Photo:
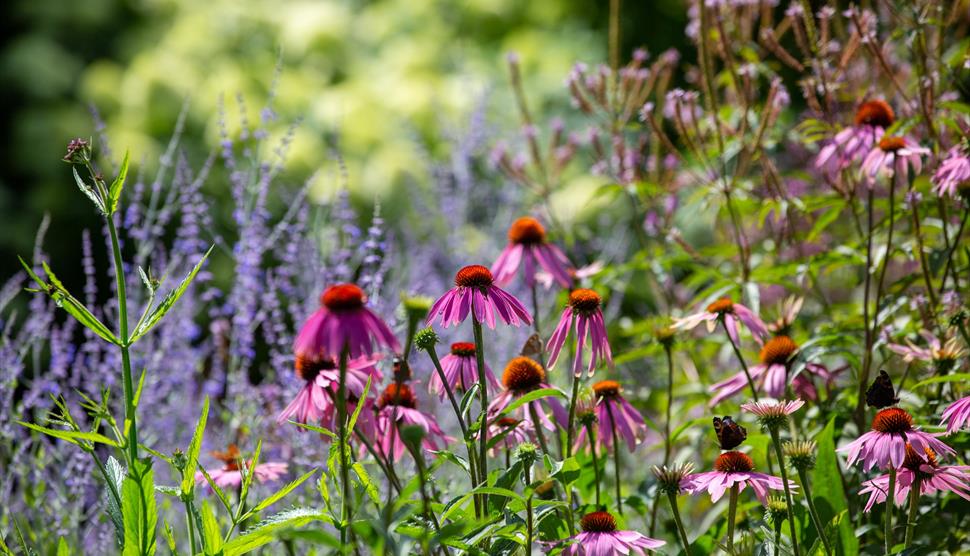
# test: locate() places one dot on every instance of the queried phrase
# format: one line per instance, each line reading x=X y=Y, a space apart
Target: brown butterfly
x=729 y=433
x=533 y=347
x=881 y=393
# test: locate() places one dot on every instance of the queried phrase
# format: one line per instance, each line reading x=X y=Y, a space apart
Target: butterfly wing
x=881 y=392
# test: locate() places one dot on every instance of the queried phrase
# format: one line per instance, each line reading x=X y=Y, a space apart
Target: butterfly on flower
x=729 y=433
x=881 y=393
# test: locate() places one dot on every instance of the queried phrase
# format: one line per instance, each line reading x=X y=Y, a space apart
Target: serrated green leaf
x=314 y=428
x=74 y=437
x=250 y=473
x=116 y=474
x=156 y=315
x=266 y=531
x=114 y=191
x=88 y=191
x=170 y=539
x=192 y=455
x=279 y=494
x=369 y=487
x=139 y=509
x=211 y=534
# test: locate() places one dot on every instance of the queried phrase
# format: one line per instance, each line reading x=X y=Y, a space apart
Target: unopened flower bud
x=801 y=454
x=426 y=339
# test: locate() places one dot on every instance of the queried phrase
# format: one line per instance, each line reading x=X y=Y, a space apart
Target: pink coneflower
x=343 y=321
x=893 y=156
x=956 y=415
x=600 y=538
x=924 y=470
x=733 y=469
x=578 y=275
x=610 y=406
x=523 y=375
x=461 y=370
x=397 y=406
x=942 y=354
x=584 y=310
x=515 y=431
x=528 y=246
x=885 y=445
x=231 y=475
x=953 y=173
x=770 y=375
x=732 y=313
x=314 y=402
x=768 y=410
x=475 y=291
x=852 y=143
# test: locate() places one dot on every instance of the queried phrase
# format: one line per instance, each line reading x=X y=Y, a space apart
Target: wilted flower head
x=528 y=246
x=953 y=174
x=772 y=414
x=670 y=479
x=583 y=309
x=943 y=355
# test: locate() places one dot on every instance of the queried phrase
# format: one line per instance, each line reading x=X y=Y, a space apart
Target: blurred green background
x=383 y=80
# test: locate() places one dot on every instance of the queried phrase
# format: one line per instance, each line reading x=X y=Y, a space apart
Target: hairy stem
x=776 y=441
x=816 y=520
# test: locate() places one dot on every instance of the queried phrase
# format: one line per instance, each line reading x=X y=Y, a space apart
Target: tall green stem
x=913 y=509
x=529 y=527
x=788 y=498
x=483 y=396
x=744 y=366
x=616 y=456
x=682 y=533
x=591 y=431
x=667 y=444
x=816 y=520
x=732 y=512
x=345 y=509
x=890 y=501
x=189 y=519
x=129 y=389
x=571 y=421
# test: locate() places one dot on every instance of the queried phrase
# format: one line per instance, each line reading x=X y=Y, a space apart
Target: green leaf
x=88 y=191
x=531 y=397
x=314 y=428
x=211 y=534
x=827 y=490
x=279 y=494
x=467 y=398
x=369 y=487
x=156 y=315
x=116 y=474
x=114 y=192
x=250 y=473
x=217 y=489
x=188 y=475
x=62 y=548
x=139 y=510
x=63 y=299
x=266 y=531
x=74 y=437
x=565 y=471
x=170 y=538
x=353 y=418
x=958 y=377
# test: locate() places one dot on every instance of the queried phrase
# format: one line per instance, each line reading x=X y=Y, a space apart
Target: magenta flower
x=231 y=475
x=584 y=310
x=527 y=246
x=930 y=476
x=893 y=156
x=515 y=431
x=956 y=415
x=523 y=375
x=343 y=321
x=461 y=370
x=476 y=292
x=770 y=375
x=600 y=538
x=610 y=407
x=732 y=313
x=314 y=402
x=953 y=172
x=397 y=406
x=885 y=445
x=852 y=143
x=730 y=469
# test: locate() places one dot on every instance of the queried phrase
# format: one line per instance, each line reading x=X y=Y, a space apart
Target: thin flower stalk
x=913 y=510
x=776 y=442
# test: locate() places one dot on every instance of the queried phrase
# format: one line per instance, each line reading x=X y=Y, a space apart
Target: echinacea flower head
x=584 y=311
x=776 y=510
x=599 y=537
x=921 y=469
x=731 y=313
x=343 y=322
x=521 y=376
x=397 y=406
x=885 y=445
x=770 y=375
x=943 y=355
x=315 y=400
x=528 y=247
x=893 y=156
x=953 y=175
x=956 y=415
x=461 y=371
x=790 y=308
x=850 y=145
x=733 y=469
x=614 y=411
x=475 y=292
x=670 y=479
x=772 y=414
x=512 y=431
x=800 y=454
x=232 y=472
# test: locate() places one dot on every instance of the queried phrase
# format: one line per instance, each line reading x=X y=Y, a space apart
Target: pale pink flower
x=885 y=445
x=231 y=474
x=893 y=156
x=953 y=172
x=733 y=469
x=852 y=143
x=528 y=247
x=934 y=352
x=931 y=477
x=583 y=309
x=732 y=313
x=396 y=407
x=771 y=409
x=475 y=292
x=461 y=371
x=599 y=537
x=956 y=415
